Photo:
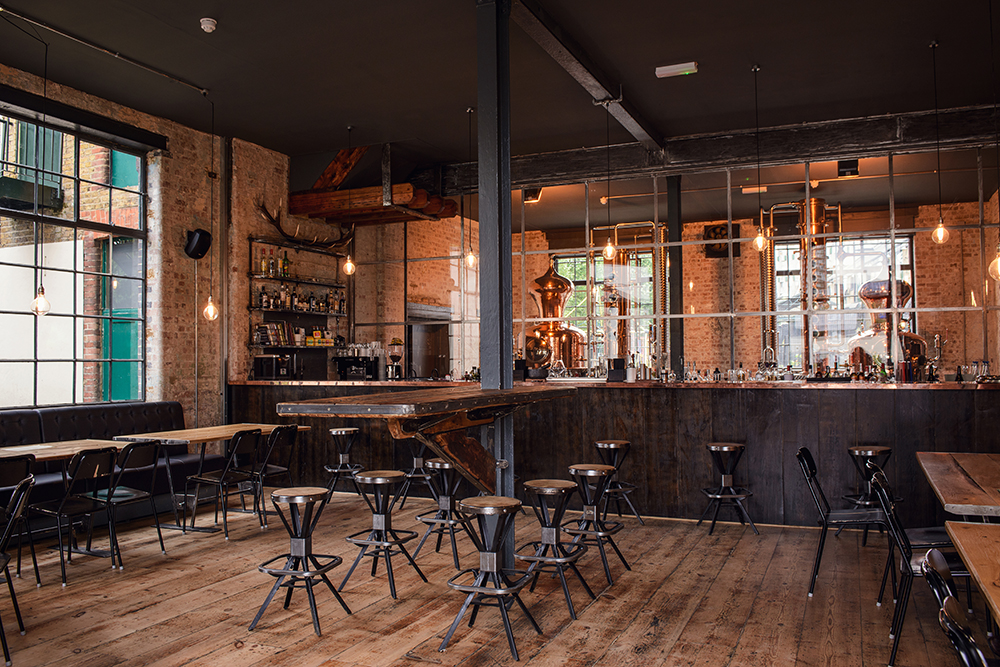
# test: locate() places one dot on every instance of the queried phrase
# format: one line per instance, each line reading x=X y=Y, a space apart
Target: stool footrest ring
x=610 y=528
x=523 y=578
x=727 y=493
x=282 y=572
x=573 y=553
x=402 y=536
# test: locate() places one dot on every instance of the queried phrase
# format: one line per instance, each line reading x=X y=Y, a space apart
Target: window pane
x=60 y=247
x=125 y=170
x=59 y=291
x=125 y=209
x=125 y=381
x=441 y=238
x=18 y=287
x=95 y=202
x=126 y=257
x=17 y=241
x=19 y=336
x=17 y=384
x=55 y=337
x=125 y=338
x=95 y=162
x=55 y=382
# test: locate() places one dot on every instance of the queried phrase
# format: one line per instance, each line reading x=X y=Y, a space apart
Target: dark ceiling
x=291 y=76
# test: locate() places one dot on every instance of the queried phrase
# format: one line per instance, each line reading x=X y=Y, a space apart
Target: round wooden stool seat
x=612 y=444
x=725 y=456
x=379 y=476
x=550 y=487
x=488 y=505
x=438 y=464
x=613 y=453
x=299 y=495
x=861 y=454
x=591 y=469
x=724 y=446
x=347 y=430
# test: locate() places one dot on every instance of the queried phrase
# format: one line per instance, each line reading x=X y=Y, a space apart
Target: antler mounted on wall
x=326 y=243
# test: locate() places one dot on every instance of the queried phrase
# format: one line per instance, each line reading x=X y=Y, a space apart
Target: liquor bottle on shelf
x=271 y=268
x=263 y=261
x=312 y=303
x=295 y=301
x=341 y=304
x=265 y=300
x=285 y=266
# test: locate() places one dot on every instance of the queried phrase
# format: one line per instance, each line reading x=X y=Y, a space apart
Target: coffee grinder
x=394 y=371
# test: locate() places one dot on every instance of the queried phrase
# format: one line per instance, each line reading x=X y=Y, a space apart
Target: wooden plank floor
x=732 y=598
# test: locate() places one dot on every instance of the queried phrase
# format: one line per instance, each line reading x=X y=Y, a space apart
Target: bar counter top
x=638 y=384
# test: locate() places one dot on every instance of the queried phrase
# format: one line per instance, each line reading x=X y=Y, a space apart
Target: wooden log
x=339 y=168
x=323 y=203
x=434 y=205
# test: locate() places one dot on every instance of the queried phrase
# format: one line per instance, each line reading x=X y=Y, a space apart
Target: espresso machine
x=394 y=370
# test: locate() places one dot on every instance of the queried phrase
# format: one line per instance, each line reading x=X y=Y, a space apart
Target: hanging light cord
x=937 y=131
x=469 y=111
x=212 y=176
x=607 y=132
x=996 y=131
x=756 y=121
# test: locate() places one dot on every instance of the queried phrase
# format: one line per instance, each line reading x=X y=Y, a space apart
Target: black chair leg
x=819 y=556
x=13 y=599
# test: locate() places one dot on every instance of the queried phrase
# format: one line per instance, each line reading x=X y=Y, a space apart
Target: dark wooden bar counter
x=669 y=424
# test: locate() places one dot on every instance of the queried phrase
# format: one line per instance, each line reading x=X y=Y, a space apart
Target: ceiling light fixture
x=349 y=266
x=609 y=251
x=760 y=243
x=211 y=311
x=679 y=69
x=533 y=195
x=940 y=234
x=470 y=258
x=209 y=24
x=41 y=305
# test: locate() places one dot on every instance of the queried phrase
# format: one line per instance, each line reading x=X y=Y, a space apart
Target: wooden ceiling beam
x=339 y=168
x=323 y=203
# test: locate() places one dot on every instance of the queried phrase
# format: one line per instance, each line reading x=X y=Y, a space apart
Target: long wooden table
x=55 y=451
x=437 y=418
x=966 y=483
x=979 y=546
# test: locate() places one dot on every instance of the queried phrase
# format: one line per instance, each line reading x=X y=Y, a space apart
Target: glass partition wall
x=819 y=268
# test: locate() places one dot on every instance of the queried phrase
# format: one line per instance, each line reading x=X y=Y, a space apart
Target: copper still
x=553 y=341
x=911 y=353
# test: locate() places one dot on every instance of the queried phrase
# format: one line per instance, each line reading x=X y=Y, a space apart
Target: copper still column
x=553 y=341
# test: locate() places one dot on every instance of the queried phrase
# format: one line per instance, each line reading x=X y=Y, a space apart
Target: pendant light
x=609 y=251
x=211 y=311
x=40 y=305
x=470 y=257
x=760 y=243
x=940 y=234
x=349 y=266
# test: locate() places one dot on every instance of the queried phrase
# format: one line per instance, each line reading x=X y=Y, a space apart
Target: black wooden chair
x=955 y=624
x=242 y=447
x=273 y=458
x=90 y=474
x=910 y=564
x=839 y=518
x=13 y=513
x=135 y=482
x=13 y=469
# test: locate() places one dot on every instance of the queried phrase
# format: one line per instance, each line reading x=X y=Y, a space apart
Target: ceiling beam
x=806 y=142
x=571 y=57
x=338 y=169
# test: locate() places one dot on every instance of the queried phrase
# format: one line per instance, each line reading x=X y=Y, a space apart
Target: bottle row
x=271 y=266
x=334 y=302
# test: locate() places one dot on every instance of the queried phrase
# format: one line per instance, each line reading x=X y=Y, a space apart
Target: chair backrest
x=280 y=443
x=935 y=569
x=15 y=468
x=808 y=466
x=242 y=447
x=15 y=509
x=884 y=494
x=956 y=625
x=138 y=456
x=90 y=471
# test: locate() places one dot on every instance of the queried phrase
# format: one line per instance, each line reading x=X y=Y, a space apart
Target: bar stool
x=343 y=440
x=444 y=484
x=860 y=456
x=301 y=566
x=418 y=474
x=613 y=453
x=726 y=455
x=549 y=499
x=590 y=527
x=491 y=584
x=384 y=539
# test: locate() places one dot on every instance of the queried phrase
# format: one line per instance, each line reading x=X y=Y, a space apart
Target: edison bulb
x=211 y=312
x=470 y=259
x=609 y=251
x=349 y=266
x=940 y=234
x=760 y=242
x=995 y=267
x=41 y=305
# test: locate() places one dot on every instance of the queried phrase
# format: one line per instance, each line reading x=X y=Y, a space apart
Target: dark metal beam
x=828 y=140
x=571 y=57
x=675 y=275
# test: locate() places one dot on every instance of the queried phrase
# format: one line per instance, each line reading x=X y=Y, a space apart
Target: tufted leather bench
x=101 y=421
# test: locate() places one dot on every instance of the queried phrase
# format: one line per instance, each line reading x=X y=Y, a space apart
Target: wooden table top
x=965 y=483
x=54 y=451
x=422 y=402
x=979 y=546
x=204 y=434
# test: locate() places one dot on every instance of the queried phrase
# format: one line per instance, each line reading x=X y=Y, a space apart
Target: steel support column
x=675 y=275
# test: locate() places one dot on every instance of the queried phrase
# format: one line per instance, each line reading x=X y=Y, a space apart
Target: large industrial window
x=72 y=219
